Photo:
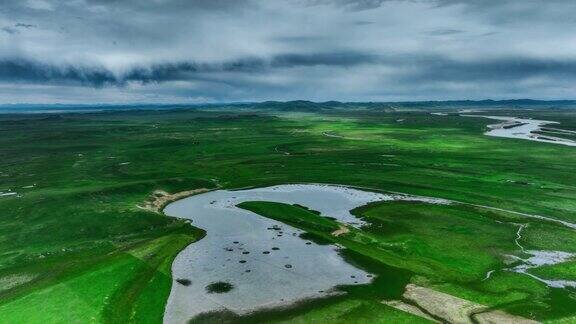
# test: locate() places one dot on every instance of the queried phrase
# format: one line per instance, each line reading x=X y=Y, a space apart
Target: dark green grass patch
x=219 y=287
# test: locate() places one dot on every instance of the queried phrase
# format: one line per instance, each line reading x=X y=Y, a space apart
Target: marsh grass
x=219 y=287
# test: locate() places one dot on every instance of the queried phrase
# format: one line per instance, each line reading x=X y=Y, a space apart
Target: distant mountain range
x=299 y=106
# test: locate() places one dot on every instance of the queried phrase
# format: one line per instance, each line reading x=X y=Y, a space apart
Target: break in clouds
x=247 y=50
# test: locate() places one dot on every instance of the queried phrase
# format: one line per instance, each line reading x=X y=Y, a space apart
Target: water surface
x=265 y=261
x=522 y=128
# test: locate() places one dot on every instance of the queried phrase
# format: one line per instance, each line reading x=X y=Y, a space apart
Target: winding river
x=265 y=262
x=522 y=128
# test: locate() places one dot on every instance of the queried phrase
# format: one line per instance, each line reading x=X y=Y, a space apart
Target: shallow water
x=523 y=130
x=237 y=239
x=541 y=258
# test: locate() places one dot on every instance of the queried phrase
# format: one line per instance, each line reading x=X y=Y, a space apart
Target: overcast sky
x=128 y=51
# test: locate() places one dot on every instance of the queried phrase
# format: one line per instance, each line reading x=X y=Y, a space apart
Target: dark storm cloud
x=30 y=71
x=9 y=30
x=344 y=59
x=286 y=49
x=22 y=25
x=13 y=30
x=27 y=71
x=421 y=69
x=496 y=70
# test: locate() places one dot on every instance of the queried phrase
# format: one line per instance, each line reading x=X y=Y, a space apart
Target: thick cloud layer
x=219 y=50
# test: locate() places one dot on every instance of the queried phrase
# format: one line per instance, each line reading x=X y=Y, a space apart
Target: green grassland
x=562 y=271
x=76 y=246
x=447 y=247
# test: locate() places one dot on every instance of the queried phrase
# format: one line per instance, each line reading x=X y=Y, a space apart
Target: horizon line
x=281 y=101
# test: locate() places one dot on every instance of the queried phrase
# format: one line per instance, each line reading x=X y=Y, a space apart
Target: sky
x=197 y=51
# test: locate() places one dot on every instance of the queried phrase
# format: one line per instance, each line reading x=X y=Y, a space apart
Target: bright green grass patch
x=562 y=271
x=132 y=286
x=291 y=214
x=544 y=236
x=449 y=242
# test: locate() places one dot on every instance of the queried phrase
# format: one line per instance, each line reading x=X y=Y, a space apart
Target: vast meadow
x=79 y=243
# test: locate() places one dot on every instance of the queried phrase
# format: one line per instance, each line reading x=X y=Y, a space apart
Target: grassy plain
x=450 y=248
x=74 y=243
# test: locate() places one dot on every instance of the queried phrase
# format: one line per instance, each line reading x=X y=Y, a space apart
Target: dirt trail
x=451 y=309
x=400 y=305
